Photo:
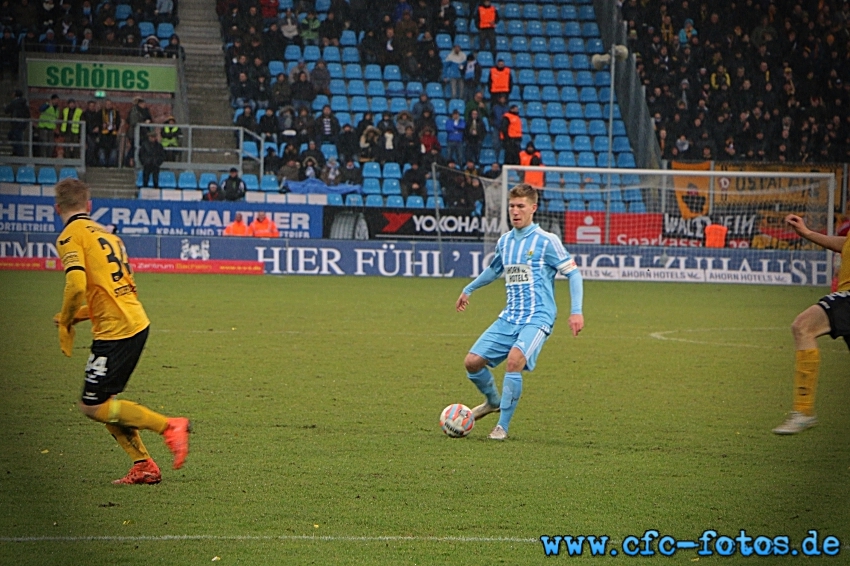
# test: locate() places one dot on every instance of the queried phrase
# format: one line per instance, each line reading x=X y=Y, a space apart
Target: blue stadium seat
x=637 y=207
x=339 y=104
x=505 y=56
x=398 y=104
x=588 y=94
x=269 y=184
x=353 y=71
x=322 y=5
x=569 y=94
x=374 y=200
x=512 y=12
x=582 y=143
x=534 y=28
x=167 y=180
x=391 y=187
x=415 y=201
x=430 y=203
x=414 y=89
x=595 y=206
x=554 y=110
x=371 y=170
x=371 y=186
x=575 y=46
x=439 y=105
x=555 y=206
x=456 y=104
x=123 y=11
x=319 y=102
x=600 y=144
x=626 y=160
x=531 y=93
x=558 y=126
x=375 y=88
x=485 y=59
x=549 y=12
x=565 y=78
x=487 y=157
x=584 y=78
x=593 y=110
x=557 y=45
x=538 y=126
x=538 y=45
x=7 y=174
x=146 y=29
x=572 y=29
x=605 y=93
x=26 y=175
x=334 y=199
x=617 y=115
x=292 y=53
x=581 y=62
x=621 y=144
x=356 y=87
x=543 y=142
x=573 y=111
x=275 y=67
x=65 y=173
x=379 y=104
x=632 y=195
x=542 y=61
x=373 y=73
x=395 y=88
x=561 y=61
x=585 y=14
x=164 y=30
x=554 y=28
x=329 y=151
x=526 y=77
x=348 y=38
x=530 y=12
x=502 y=45
x=331 y=54
x=395 y=201
x=602 y=78
x=578 y=127
x=206 y=178
x=562 y=143
x=619 y=128
x=546 y=77
x=550 y=93
x=590 y=30
x=47 y=176
x=353 y=199
x=335 y=71
x=187 y=180
x=592 y=179
x=350 y=55
x=392 y=73
x=534 y=110
x=523 y=61
x=515 y=28
x=519 y=44
x=463 y=41
x=597 y=128
x=337 y=87
x=344 y=118
x=392 y=171
x=434 y=90
x=602 y=159
x=359 y=104
x=587 y=159
x=569 y=12
x=461 y=25
x=595 y=46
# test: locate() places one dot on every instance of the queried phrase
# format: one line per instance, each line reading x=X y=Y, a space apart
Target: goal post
x=649 y=216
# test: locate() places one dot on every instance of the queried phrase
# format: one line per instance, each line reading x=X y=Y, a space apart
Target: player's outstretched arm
x=834 y=243
x=576 y=300
x=462 y=302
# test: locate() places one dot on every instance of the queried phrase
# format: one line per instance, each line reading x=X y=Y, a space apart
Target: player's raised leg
x=130 y=415
x=808 y=325
x=482 y=377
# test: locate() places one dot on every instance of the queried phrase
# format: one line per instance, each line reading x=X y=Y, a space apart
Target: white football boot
x=483 y=410
x=796 y=422
x=498 y=433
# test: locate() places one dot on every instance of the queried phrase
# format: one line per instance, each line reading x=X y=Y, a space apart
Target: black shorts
x=110 y=365
x=837 y=308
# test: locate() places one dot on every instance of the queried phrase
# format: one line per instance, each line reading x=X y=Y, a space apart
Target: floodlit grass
x=315 y=403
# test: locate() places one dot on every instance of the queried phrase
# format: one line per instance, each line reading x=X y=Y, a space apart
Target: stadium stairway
x=110 y=182
x=209 y=104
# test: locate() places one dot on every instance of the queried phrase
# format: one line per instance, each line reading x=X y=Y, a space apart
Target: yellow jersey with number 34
x=114 y=306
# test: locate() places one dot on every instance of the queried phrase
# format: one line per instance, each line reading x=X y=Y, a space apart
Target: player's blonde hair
x=71 y=194
x=524 y=190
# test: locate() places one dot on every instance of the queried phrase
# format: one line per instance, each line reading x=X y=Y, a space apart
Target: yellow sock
x=130 y=440
x=806 y=380
x=131 y=415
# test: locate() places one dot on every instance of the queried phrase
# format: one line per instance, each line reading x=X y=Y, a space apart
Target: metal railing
x=23 y=142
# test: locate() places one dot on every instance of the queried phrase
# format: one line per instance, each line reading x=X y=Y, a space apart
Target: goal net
x=687 y=224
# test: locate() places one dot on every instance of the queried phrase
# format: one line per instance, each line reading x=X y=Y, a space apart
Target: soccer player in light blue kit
x=530 y=258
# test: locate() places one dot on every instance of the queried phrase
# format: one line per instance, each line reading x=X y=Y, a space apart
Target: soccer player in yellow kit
x=99 y=286
x=831 y=315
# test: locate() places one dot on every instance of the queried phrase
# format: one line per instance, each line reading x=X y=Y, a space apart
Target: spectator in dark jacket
x=151 y=156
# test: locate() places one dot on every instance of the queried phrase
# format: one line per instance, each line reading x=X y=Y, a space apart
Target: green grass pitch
x=315 y=403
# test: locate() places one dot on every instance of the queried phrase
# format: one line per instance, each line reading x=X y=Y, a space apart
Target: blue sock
x=511 y=391
x=485 y=383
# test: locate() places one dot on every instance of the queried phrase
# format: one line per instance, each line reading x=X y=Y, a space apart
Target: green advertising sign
x=101 y=76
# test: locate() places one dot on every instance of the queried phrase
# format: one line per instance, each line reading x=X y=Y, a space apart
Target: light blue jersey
x=529 y=259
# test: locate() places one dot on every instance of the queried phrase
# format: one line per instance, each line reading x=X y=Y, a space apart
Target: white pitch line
x=664 y=335
x=283 y=538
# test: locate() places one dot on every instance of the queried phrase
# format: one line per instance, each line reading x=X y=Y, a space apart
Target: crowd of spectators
x=280 y=108
x=85 y=27
x=749 y=81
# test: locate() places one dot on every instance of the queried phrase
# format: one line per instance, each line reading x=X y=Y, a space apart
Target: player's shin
x=129 y=440
x=511 y=392
x=806 y=371
x=483 y=380
x=131 y=415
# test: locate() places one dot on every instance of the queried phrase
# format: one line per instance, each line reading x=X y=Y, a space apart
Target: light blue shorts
x=498 y=340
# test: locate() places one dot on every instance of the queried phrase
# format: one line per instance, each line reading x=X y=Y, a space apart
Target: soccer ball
x=456 y=420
